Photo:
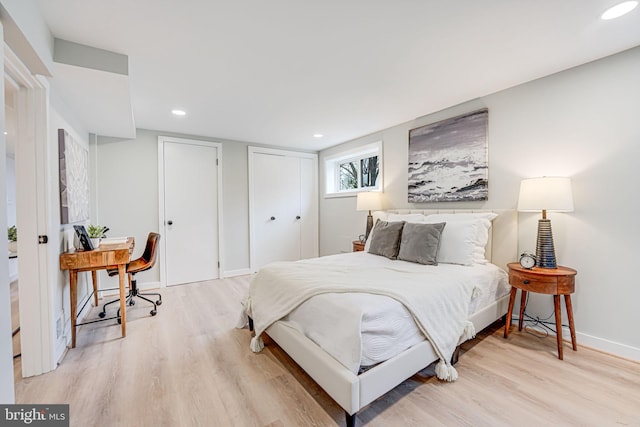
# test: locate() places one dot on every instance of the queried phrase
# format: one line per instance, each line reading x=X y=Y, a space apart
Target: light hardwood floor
x=189 y=366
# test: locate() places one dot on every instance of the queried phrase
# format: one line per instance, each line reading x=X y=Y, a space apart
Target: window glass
x=354 y=170
x=348 y=175
x=369 y=170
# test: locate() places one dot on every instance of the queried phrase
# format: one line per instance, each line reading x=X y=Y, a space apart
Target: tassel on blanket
x=446 y=372
x=468 y=333
x=257 y=344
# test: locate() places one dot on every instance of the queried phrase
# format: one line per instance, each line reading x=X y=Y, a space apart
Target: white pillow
x=392 y=217
x=405 y=217
x=464 y=237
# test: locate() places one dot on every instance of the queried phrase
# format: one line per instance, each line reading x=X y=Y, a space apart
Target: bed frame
x=353 y=392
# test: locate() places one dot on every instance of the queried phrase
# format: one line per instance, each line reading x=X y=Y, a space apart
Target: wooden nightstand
x=551 y=281
x=358 y=246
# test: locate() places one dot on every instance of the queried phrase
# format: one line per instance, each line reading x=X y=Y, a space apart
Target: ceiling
x=277 y=72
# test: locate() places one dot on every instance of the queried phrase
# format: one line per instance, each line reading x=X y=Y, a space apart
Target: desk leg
x=572 y=328
x=94 y=279
x=73 y=302
x=123 y=310
x=556 y=303
x=512 y=300
x=523 y=304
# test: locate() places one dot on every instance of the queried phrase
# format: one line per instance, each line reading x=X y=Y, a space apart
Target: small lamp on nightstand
x=545 y=194
x=369 y=201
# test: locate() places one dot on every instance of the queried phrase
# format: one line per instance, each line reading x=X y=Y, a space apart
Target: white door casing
x=189 y=210
x=37 y=264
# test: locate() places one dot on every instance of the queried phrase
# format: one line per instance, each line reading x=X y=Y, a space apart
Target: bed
x=355 y=376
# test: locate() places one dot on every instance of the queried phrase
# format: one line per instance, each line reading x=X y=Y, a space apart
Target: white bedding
x=438 y=299
x=386 y=326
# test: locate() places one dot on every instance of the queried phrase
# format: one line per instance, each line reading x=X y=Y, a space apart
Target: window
x=353 y=171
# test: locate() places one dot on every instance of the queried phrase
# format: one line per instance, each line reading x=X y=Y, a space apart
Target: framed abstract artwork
x=73 y=160
x=448 y=160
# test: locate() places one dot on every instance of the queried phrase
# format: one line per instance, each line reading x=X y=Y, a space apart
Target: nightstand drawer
x=358 y=246
x=540 y=284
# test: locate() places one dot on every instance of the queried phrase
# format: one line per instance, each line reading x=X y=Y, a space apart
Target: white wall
x=60 y=117
x=127 y=194
x=582 y=123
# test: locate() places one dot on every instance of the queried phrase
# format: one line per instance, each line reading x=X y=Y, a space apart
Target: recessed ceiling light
x=178 y=112
x=619 y=10
x=318 y=135
x=6 y=133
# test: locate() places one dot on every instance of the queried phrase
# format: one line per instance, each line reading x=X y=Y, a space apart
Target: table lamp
x=545 y=194
x=369 y=201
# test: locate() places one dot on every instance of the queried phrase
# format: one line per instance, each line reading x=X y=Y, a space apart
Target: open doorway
x=27 y=97
x=10 y=97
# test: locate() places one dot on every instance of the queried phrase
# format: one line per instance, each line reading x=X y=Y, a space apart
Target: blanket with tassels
x=438 y=302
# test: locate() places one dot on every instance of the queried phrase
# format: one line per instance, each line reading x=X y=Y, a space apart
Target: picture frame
x=448 y=160
x=73 y=162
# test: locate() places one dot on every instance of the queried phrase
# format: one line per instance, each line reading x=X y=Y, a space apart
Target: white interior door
x=190 y=212
x=276 y=208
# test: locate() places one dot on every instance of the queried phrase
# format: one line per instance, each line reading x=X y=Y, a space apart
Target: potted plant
x=96 y=232
x=12 y=234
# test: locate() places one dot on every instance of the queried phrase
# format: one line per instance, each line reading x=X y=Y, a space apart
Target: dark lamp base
x=545 y=251
x=369 y=225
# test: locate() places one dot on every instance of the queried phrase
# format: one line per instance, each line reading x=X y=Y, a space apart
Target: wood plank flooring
x=189 y=366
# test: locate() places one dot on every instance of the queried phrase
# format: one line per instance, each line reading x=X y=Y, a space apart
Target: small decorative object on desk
x=96 y=232
x=12 y=235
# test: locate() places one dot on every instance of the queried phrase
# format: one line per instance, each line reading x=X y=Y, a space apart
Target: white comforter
x=386 y=327
x=437 y=300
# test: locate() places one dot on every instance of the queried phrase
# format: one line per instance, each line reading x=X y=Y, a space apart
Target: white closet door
x=308 y=209
x=276 y=206
x=191 y=212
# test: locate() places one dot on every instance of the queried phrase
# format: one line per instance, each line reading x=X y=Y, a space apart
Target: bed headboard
x=502 y=247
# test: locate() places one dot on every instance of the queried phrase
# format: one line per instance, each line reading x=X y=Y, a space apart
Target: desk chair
x=145 y=262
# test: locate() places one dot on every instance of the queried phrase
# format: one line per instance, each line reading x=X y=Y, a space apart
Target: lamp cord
x=531 y=322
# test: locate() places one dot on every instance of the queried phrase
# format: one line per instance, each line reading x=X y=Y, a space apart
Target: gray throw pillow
x=385 y=238
x=420 y=243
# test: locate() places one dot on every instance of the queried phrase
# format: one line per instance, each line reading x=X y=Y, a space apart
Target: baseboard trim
x=234 y=273
x=595 y=343
x=606 y=346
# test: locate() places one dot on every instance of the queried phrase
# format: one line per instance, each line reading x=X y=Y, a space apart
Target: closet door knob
x=273 y=218
x=169 y=222
x=297 y=216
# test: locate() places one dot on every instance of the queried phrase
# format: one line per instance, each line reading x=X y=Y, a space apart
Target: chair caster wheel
x=153 y=312
x=119 y=321
x=102 y=314
x=132 y=302
x=159 y=302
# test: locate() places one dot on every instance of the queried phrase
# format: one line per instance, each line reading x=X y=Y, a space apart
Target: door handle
x=297 y=216
x=273 y=218
x=169 y=222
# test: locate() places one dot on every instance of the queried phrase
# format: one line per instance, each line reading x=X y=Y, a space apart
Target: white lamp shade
x=545 y=193
x=369 y=201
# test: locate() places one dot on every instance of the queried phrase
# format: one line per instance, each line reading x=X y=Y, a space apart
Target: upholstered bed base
x=353 y=392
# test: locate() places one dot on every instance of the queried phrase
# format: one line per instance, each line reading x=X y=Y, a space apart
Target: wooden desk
x=115 y=256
